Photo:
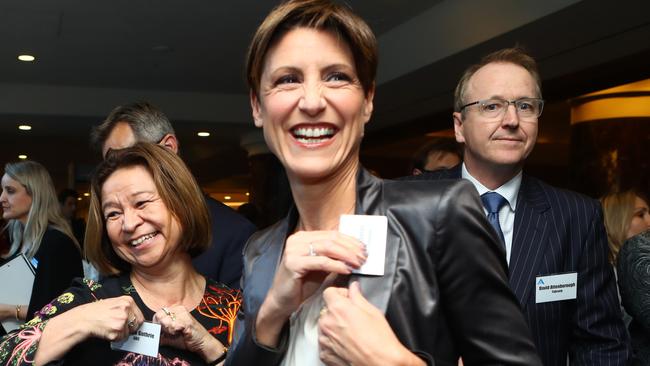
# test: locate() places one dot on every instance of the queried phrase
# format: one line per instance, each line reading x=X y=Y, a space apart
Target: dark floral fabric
x=634 y=284
x=216 y=312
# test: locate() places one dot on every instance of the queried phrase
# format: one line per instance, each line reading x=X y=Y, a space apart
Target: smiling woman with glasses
x=527 y=108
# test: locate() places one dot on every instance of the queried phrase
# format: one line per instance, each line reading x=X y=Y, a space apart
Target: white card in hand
x=144 y=341
x=370 y=230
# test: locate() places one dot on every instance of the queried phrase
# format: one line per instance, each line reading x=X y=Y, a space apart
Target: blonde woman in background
x=37 y=229
x=626 y=215
x=627 y=219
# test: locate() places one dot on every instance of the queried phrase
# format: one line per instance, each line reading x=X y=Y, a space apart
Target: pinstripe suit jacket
x=559 y=231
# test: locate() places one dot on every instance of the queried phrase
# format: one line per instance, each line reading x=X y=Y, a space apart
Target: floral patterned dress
x=216 y=312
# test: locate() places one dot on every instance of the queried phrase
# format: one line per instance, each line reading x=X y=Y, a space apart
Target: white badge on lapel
x=556 y=287
x=372 y=231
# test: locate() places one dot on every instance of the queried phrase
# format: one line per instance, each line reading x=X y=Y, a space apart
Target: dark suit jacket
x=222 y=261
x=59 y=261
x=559 y=231
x=444 y=291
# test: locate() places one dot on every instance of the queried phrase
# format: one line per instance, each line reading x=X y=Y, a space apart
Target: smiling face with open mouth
x=141 y=228
x=311 y=104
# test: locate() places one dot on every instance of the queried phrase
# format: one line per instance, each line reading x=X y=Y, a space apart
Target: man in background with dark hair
x=142 y=122
x=438 y=153
x=554 y=240
x=68 y=201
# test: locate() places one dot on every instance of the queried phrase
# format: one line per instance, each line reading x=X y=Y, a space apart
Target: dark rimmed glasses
x=527 y=108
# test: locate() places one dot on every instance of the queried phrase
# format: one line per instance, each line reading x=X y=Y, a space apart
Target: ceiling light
x=86 y=194
x=78 y=198
x=25 y=127
x=226 y=197
x=248 y=194
x=161 y=48
x=203 y=134
x=22 y=156
x=26 y=58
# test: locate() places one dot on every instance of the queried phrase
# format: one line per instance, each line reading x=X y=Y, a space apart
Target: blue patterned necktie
x=493 y=202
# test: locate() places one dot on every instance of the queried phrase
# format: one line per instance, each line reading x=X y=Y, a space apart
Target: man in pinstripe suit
x=546 y=231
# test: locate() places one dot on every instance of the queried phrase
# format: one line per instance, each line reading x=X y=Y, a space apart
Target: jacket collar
x=530 y=240
x=376 y=289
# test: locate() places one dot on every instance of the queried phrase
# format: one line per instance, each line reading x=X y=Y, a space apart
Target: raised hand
x=181 y=330
x=309 y=256
x=111 y=319
x=355 y=332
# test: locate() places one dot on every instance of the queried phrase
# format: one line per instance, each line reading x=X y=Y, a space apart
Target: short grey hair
x=148 y=123
x=515 y=55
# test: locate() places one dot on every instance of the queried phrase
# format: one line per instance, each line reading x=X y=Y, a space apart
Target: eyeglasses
x=527 y=108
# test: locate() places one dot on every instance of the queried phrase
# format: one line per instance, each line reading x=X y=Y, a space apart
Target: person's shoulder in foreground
x=222 y=261
x=633 y=266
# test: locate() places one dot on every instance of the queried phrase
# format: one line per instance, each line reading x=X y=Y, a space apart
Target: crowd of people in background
x=479 y=262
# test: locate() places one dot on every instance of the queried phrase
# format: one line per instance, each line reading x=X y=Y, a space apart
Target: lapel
x=262 y=263
x=376 y=289
x=530 y=239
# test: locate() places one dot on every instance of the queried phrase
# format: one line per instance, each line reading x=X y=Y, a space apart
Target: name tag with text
x=556 y=287
x=144 y=341
x=372 y=231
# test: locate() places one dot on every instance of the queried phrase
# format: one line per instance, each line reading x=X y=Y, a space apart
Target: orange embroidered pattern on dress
x=222 y=304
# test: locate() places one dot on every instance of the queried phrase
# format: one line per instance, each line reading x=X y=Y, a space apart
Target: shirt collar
x=509 y=190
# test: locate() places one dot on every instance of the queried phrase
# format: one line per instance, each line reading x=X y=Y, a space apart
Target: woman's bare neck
x=321 y=203
x=178 y=284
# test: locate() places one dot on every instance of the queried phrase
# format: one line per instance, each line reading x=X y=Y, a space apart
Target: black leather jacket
x=444 y=292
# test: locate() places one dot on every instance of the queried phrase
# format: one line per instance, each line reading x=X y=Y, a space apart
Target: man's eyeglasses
x=527 y=108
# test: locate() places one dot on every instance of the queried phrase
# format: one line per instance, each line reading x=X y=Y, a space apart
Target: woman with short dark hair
x=443 y=292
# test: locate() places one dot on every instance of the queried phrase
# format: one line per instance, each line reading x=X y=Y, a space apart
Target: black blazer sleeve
x=245 y=349
x=483 y=313
x=59 y=261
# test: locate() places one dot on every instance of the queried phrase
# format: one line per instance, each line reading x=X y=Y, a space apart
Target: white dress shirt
x=509 y=191
x=303 y=347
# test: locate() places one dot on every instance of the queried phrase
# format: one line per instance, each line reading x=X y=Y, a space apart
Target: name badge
x=556 y=287
x=144 y=341
x=372 y=231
